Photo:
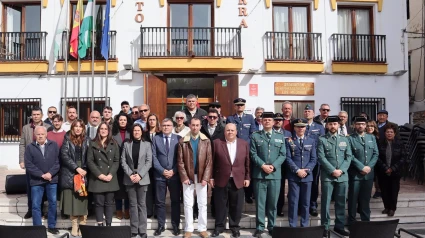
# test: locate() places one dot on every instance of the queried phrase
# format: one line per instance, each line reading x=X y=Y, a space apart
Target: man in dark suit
x=231 y=174
x=344 y=129
x=164 y=153
x=211 y=127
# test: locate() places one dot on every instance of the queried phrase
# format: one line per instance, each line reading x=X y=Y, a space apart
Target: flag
x=104 y=48
x=76 y=29
x=98 y=30
x=61 y=27
x=86 y=29
x=182 y=103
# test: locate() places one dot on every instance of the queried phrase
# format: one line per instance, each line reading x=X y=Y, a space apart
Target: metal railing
x=190 y=42
x=359 y=48
x=293 y=46
x=22 y=46
x=356 y=105
x=97 y=47
x=14 y=114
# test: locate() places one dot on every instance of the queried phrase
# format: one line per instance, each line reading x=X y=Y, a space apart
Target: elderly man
x=51 y=111
x=93 y=124
x=382 y=121
x=144 y=111
x=287 y=116
x=344 y=129
x=27 y=138
x=268 y=152
x=42 y=164
x=324 y=113
x=192 y=111
x=194 y=158
x=231 y=174
x=258 y=120
x=71 y=116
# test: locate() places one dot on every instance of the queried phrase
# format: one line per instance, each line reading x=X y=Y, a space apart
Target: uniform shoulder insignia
x=278 y=132
x=256 y=132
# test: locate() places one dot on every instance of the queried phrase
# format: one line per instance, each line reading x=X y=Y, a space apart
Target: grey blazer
x=145 y=162
x=118 y=139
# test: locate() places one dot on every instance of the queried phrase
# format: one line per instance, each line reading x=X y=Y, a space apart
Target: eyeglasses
x=52 y=111
x=240 y=105
x=215 y=107
x=326 y=110
x=135 y=112
x=179 y=118
x=278 y=120
x=144 y=110
x=212 y=117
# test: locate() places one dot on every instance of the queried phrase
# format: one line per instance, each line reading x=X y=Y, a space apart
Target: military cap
x=215 y=104
x=300 y=122
x=278 y=116
x=382 y=112
x=239 y=101
x=332 y=119
x=308 y=107
x=360 y=119
x=267 y=115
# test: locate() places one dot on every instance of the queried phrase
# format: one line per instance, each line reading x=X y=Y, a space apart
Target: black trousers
x=161 y=194
x=281 y=200
x=390 y=186
x=228 y=201
x=150 y=195
x=315 y=187
x=104 y=204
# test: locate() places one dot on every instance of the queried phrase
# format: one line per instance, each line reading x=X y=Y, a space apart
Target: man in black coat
x=192 y=111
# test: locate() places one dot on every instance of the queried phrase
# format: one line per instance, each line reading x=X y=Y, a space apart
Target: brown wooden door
x=225 y=92
x=156 y=96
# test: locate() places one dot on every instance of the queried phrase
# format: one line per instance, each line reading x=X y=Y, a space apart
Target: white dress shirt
x=211 y=129
x=231 y=147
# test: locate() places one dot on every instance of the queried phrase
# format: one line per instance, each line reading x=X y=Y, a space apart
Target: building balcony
x=23 y=52
x=364 y=54
x=198 y=49
x=86 y=63
x=293 y=52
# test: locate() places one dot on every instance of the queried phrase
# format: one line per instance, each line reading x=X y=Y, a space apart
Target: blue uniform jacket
x=300 y=158
x=315 y=130
x=245 y=127
x=285 y=133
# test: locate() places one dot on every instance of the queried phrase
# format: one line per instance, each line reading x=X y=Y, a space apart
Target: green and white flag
x=86 y=29
x=61 y=27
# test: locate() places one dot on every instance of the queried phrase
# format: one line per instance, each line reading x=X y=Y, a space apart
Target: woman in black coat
x=392 y=154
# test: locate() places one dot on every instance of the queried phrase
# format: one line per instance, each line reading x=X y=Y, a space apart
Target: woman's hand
x=81 y=171
x=108 y=178
x=102 y=177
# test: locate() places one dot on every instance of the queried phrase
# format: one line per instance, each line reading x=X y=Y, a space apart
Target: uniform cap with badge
x=267 y=115
x=214 y=105
x=300 y=122
x=239 y=101
x=308 y=107
x=332 y=119
x=360 y=119
x=278 y=116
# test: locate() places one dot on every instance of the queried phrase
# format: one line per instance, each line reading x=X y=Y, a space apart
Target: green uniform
x=365 y=153
x=270 y=151
x=334 y=152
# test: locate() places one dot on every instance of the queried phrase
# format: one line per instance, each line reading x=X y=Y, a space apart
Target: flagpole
x=93 y=55
x=66 y=60
x=106 y=82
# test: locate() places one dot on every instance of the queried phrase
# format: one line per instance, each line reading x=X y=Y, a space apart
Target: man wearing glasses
x=143 y=111
x=51 y=111
x=324 y=113
x=245 y=124
x=135 y=113
x=221 y=119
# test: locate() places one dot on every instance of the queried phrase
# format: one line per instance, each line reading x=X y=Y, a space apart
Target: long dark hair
x=98 y=139
x=157 y=127
x=132 y=129
x=376 y=130
x=77 y=140
x=116 y=125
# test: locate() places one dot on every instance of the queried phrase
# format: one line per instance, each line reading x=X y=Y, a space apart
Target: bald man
x=230 y=176
x=94 y=122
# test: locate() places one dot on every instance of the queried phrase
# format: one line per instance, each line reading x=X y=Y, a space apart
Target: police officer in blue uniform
x=278 y=127
x=245 y=124
x=300 y=161
x=314 y=130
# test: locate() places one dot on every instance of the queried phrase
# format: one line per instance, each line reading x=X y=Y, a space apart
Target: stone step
x=406 y=215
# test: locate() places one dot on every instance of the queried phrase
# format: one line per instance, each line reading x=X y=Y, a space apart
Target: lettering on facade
x=299 y=89
x=243 y=12
x=139 y=16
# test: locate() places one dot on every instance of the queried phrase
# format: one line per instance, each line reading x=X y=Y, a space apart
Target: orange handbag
x=80 y=185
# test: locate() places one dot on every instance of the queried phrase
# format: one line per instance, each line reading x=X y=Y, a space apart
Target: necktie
x=167 y=145
x=307 y=129
x=362 y=139
x=301 y=142
x=342 y=131
x=240 y=119
x=269 y=135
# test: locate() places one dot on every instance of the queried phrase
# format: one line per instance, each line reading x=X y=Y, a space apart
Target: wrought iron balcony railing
x=23 y=46
x=359 y=48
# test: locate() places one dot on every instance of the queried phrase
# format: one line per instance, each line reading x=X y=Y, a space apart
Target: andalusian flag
x=76 y=29
x=61 y=27
x=86 y=30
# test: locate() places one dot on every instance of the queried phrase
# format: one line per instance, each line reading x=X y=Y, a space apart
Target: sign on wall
x=294 y=88
x=139 y=15
x=253 y=90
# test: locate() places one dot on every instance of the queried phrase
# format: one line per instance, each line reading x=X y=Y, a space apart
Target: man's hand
x=212 y=184
x=204 y=183
x=302 y=173
x=47 y=176
x=268 y=169
x=81 y=171
x=170 y=173
x=366 y=169
x=22 y=165
x=246 y=183
x=337 y=173
x=187 y=182
x=389 y=171
x=135 y=178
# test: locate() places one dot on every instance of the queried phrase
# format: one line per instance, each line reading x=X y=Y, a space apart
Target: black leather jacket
x=68 y=163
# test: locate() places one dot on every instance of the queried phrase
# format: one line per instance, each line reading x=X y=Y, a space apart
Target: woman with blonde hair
x=73 y=162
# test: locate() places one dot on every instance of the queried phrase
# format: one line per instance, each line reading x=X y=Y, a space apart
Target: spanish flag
x=78 y=17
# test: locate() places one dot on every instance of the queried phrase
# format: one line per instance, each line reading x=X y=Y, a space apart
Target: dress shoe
x=100 y=224
x=236 y=234
x=280 y=214
x=159 y=231
x=313 y=212
x=391 y=213
x=271 y=232
x=385 y=211
x=187 y=235
x=143 y=235
x=325 y=233
x=53 y=231
x=149 y=216
x=44 y=216
x=377 y=195
x=108 y=224
x=133 y=235
x=176 y=231
x=28 y=215
x=127 y=214
x=258 y=233
x=215 y=233
x=195 y=216
x=342 y=232
x=203 y=234
x=119 y=215
x=249 y=200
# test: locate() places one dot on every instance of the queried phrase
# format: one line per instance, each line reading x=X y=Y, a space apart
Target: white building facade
x=350 y=54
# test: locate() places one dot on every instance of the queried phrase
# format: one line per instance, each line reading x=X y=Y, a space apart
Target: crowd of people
x=124 y=165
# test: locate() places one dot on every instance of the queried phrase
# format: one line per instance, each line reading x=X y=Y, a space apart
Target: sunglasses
x=135 y=112
x=240 y=105
x=326 y=110
x=179 y=118
x=278 y=120
x=52 y=111
x=144 y=110
x=212 y=117
x=215 y=107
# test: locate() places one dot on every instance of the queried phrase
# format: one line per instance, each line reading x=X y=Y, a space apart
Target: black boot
x=108 y=224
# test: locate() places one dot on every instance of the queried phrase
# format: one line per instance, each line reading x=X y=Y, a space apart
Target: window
x=85 y=106
x=14 y=114
x=354 y=21
x=297 y=107
x=408 y=9
x=356 y=105
x=22 y=17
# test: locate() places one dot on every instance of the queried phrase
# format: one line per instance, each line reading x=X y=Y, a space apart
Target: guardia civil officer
x=334 y=154
x=300 y=161
x=268 y=152
x=361 y=172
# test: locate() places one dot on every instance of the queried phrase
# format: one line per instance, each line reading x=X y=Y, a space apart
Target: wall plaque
x=293 y=88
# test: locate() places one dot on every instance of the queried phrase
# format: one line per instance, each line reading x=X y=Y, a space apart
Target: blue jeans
x=37 y=196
